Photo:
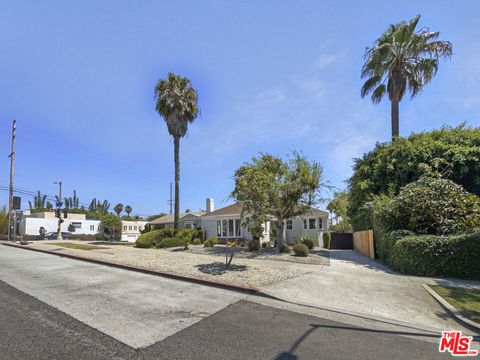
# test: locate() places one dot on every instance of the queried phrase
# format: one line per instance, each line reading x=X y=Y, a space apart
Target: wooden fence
x=363 y=243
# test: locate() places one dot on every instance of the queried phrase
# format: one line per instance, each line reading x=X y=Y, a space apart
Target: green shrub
x=254 y=245
x=430 y=255
x=301 y=250
x=187 y=234
x=326 y=240
x=197 y=242
x=173 y=242
x=200 y=234
x=385 y=243
x=284 y=249
x=149 y=239
x=305 y=239
x=429 y=205
x=211 y=242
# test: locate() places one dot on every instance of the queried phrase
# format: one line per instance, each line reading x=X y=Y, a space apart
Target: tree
x=3 y=220
x=71 y=228
x=118 y=208
x=402 y=59
x=339 y=206
x=111 y=225
x=128 y=210
x=177 y=103
x=391 y=166
x=270 y=188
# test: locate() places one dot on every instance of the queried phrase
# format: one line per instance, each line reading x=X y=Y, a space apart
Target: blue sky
x=272 y=76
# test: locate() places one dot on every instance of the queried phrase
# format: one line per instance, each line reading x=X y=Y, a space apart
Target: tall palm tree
x=402 y=59
x=128 y=210
x=118 y=208
x=177 y=103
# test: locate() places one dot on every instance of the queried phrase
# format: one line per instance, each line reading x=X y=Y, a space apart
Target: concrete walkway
x=357 y=284
x=134 y=308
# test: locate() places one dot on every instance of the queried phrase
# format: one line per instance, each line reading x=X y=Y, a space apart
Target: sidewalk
x=358 y=284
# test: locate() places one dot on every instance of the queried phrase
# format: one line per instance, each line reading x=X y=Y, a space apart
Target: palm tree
x=128 y=210
x=118 y=208
x=177 y=103
x=402 y=59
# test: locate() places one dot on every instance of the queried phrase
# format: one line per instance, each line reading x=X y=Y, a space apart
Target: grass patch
x=77 y=246
x=466 y=301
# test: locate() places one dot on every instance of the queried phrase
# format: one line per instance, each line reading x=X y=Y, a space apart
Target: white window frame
x=287 y=223
x=310 y=223
x=320 y=223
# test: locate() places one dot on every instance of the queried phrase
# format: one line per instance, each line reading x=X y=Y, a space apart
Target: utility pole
x=170 y=201
x=10 y=190
x=59 y=207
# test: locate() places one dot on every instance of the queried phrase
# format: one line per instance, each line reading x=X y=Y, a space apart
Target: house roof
x=169 y=218
x=234 y=209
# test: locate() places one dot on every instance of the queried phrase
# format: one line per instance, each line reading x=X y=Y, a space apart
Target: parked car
x=54 y=235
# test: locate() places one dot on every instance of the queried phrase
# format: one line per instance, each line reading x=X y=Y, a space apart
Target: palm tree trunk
x=395 y=120
x=176 y=150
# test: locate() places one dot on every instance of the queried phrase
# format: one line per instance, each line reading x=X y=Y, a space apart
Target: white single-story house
x=188 y=220
x=31 y=223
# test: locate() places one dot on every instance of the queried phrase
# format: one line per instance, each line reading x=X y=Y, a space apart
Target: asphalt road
x=31 y=329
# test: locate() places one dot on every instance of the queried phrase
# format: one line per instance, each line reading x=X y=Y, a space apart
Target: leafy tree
x=390 y=166
x=177 y=103
x=3 y=220
x=402 y=59
x=111 y=225
x=269 y=187
x=71 y=228
x=430 y=205
x=128 y=210
x=118 y=208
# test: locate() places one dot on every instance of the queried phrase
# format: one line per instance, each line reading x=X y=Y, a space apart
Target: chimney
x=210 y=205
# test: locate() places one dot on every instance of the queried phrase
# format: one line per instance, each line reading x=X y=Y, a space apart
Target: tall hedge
x=391 y=166
x=430 y=255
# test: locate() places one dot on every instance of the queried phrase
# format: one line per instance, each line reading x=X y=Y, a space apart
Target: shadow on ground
x=219 y=268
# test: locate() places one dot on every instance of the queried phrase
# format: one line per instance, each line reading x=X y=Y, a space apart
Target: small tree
x=118 y=209
x=71 y=228
x=270 y=188
x=128 y=210
x=111 y=225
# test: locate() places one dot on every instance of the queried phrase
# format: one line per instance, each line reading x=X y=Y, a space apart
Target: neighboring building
x=131 y=230
x=313 y=224
x=31 y=223
x=188 y=220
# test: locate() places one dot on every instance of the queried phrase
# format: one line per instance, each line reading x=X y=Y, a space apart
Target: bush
x=173 y=242
x=254 y=245
x=430 y=255
x=197 y=242
x=149 y=239
x=211 y=242
x=391 y=166
x=284 y=249
x=326 y=240
x=85 y=237
x=301 y=250
x=266 y=244
x=305 y=239
x=385 y=243
x=101 y=237
x=430 y=205
x=200 y=234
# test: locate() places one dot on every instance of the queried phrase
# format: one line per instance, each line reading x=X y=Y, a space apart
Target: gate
x=342 y=241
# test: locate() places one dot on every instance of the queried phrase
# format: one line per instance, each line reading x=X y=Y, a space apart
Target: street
x=48 y=311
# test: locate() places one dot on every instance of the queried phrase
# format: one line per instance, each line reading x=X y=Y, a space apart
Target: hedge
x=155 y=237
x=432 y=255
x=172 y=242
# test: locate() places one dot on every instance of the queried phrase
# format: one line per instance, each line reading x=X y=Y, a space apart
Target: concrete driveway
x=133 y=308
x=354 y=283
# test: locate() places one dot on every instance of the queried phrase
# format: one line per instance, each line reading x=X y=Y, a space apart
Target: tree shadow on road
x=219 y=268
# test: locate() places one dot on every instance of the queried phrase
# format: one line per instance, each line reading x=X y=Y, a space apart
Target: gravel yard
x=243 y=270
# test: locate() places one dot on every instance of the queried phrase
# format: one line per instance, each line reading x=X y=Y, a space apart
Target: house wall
x=209 y=225
x=131 y=230
x=31 y=225
x=298 y=229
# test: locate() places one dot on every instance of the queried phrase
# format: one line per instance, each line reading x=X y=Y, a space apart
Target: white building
x=31 y=224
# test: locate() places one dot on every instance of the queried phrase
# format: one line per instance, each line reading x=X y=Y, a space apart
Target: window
x=312 y=223
x=124 y=227
x=77 y=225
x=219 y=228
x=320 y=223
x=289 y=224
x=92 y=227
x=135 y=228
x=305 y=224
x=224 y=228
x=230 y=227
x=237 y=227
x=130 y=227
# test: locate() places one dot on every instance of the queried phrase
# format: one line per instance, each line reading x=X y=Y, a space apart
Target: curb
x=453 y=311
x=238 y=288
